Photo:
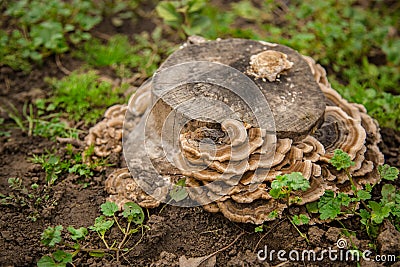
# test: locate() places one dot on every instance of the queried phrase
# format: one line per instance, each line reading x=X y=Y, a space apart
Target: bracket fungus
x=210 y=136
x=269 y=64
x=106 y=135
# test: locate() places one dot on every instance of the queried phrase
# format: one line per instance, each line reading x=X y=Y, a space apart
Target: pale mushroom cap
x=269 y=64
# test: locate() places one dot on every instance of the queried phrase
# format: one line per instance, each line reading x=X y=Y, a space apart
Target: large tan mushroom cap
x=256 y=212
x=340 y=131
x=196 y=144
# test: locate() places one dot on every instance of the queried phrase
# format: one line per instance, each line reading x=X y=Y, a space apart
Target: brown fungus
x=123 y=188
x=269 y=65
x=230 y=166
x=255 y=212
x=106 y=136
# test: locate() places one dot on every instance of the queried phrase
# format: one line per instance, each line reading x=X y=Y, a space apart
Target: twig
x=61 y=67
x=222 y=249
x=70 y=140
x=102 y=35
x=298 y=230
x=269 y=231
x=281 y=264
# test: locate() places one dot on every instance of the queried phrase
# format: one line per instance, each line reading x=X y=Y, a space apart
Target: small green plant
x=341 y=160
x=32 y=198
x=300 y=219
x=51 y=236
x=272 y=215
x=388 y=173
x=331 y=205
x=55 y=166
x=177 y=193
x=132 y=215
x=259 y=229
x=387 y=208
x=41 y=28
x=35 y=122
x=52 y=165
x=82 y=96
x=284 y=185
x=144 y=55
x=185 y=16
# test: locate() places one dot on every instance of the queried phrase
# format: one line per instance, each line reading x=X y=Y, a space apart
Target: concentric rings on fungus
x=230 y=166
x=123 y=188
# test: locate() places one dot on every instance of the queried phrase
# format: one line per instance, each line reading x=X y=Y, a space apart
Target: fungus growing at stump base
x=229 y=116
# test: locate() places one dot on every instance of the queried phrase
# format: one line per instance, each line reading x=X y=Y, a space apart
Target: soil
x=173 y=232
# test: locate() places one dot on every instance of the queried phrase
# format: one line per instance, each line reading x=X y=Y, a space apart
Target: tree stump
x=295 y=99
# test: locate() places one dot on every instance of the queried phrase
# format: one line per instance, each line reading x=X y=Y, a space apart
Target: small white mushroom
x=269 y=64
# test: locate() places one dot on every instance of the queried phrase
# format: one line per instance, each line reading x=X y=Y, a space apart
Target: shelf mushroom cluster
x=106 y=135
x=237 y=154
x=346 y=126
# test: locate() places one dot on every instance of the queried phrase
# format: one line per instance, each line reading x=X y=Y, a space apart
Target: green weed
x=82 y=96
x=143 y=55
x=35 y=122
x=32 y=198
x=373 y=213
x=52 y=165
x=42 y=28
x=132 y=215
x=284 y=185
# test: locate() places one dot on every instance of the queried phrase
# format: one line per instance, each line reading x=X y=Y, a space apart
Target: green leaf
x=296 y=181
x=300 y=219
x=387 y=172
x=330 y=206
x=284 y=184
x=379 y=211
x=101 y=225
x=51 y=236
x=168 y=12
x=196 y=5
x=363 y=195
x=273 y=214
x=312 y=207
x=179 y=192
x=276 y=193
x=77 y=234
x=133 y=212
x=368 y=188
x=388 y=193
x=109 y=208
x=97 y=254
x=365 y=216
x=62 y=256
x=259 y=229
x=46 y=261
x=341 y=160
